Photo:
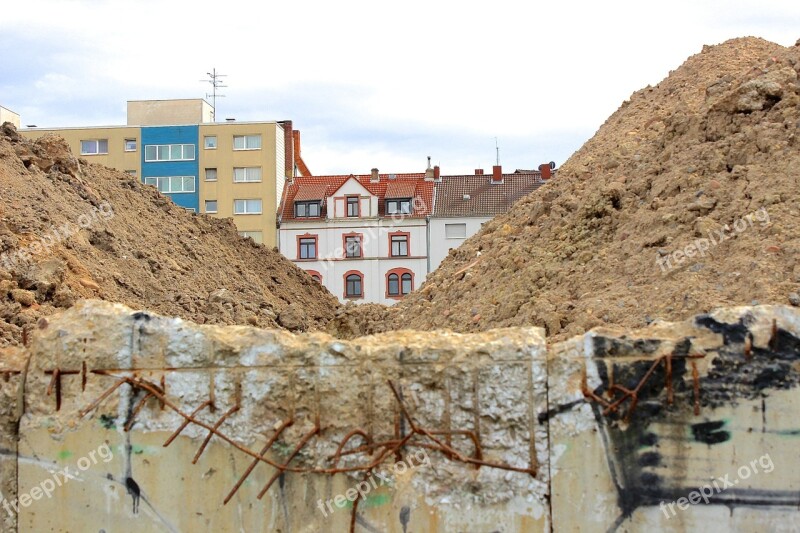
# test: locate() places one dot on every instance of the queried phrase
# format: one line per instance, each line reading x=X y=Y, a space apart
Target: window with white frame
x=211 y=206
x=172 y=184
x=247 y=207
x=94 y=147
x=130 y=145
x=210 y=142
x=455 y=231
x=247 y=142
x=246 y=174
x=131 y=172
x=169 y=152
x=211 y=174
x=257 y=236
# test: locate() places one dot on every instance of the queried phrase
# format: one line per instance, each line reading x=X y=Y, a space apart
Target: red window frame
x=347 y=206
x=316 y=246
x=361 y=245
x=344 y=283
x=405 y=234
x=399 y=272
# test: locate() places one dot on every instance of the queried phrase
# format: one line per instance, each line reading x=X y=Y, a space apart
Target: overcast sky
x=370 y=84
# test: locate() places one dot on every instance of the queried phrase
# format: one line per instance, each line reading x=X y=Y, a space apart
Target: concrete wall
x=681 y=427
x=168 y=112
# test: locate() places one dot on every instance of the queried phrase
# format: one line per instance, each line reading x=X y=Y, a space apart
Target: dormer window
x=398 y=206
x=306 y=209
x=352 y=206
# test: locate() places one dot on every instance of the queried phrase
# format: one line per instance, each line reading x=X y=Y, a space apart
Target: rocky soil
x=684 y=200
x=70 y=230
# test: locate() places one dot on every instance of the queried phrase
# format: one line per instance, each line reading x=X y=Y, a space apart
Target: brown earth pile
x=715 y=144
x=70 y=230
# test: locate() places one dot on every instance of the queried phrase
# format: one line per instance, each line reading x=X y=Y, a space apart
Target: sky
x=371 y=84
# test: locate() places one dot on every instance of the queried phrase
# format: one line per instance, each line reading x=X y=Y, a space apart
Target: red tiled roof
x=411 y=185
x=400 y=189
x=314 y=191
x=483 y=198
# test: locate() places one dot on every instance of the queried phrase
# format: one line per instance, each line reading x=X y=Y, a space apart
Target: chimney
x=375 y=177
x=289 y=147
x=497 y=175
x=436 y=174
x=479 y=172
x=546 y=170
x=429 y=174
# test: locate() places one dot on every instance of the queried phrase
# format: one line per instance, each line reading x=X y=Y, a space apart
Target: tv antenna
x=497 y=149
x=216 y=83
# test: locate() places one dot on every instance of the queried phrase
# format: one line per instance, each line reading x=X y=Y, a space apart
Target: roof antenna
x=497 y=149
x=216 y=83
x=429 y=162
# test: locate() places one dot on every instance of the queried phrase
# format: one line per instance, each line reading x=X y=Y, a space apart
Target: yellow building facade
x=237 y=169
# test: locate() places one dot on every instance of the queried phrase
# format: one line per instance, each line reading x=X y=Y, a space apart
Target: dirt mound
x=70 y=230
x=684 y=200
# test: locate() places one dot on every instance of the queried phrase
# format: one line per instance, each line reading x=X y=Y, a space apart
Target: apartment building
x=464 y=203
x=362 y=236
x=225 y=169
x=6 y=115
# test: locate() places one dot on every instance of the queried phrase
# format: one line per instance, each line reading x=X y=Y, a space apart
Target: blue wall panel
x=174 y=135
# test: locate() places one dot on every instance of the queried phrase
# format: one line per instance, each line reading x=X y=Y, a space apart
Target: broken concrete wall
x=607 y=431
x=311 y=393
x=680 y=427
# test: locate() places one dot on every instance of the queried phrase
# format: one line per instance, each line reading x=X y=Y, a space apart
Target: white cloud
x=447 y=72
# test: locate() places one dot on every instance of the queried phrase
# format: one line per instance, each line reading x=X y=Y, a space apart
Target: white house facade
x=365 y=238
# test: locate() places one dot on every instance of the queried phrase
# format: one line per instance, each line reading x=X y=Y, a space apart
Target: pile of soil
x=71 y=230
x=684 y=200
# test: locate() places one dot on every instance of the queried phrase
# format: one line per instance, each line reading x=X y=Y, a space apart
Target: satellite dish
x=552 y=165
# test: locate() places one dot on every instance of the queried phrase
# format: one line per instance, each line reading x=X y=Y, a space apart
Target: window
x=247 y=142
x=246 y=174
x=211 y=206
x=211 y=174
x=455 y=231
x=316 y=276
x=352 y=206
x=169 y=152
x=399 y=282
x=94 y=147
x=172 y=184
x=352 y=246
x=399 y=245
x=131 y=172
x=130 y=145
x=190 y=209
x=210 y=142
x=398 y=207
x=353 y=285
x=247 y=207
x=257 y=236
x=307 y=248
x=306 y=209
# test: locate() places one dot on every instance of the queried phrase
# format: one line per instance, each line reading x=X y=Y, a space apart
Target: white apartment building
x=363 y=237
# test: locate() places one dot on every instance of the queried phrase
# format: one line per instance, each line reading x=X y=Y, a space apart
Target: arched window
x=408 y=284
x=399 y=282
x=316 y=276
x=353 y=284
x=394 y=285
